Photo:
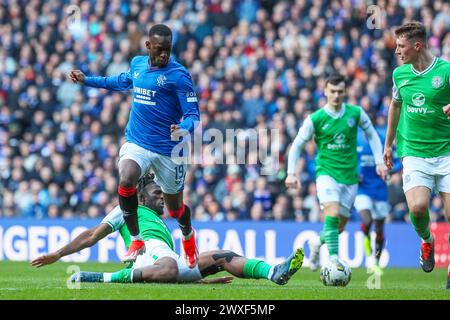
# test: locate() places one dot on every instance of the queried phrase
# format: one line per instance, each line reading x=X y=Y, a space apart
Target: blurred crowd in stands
x=256 y=64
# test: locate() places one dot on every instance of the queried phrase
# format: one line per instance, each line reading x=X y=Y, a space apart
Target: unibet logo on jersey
x=423 y=129
x=144 y=96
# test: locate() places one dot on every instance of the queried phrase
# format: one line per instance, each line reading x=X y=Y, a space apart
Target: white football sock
x=136 y=238
x=107 y=277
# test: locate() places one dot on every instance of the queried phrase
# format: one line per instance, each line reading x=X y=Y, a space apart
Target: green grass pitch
x=18 y=280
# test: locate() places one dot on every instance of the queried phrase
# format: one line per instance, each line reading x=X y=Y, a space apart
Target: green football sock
x=322 y=238
x=331 y=234
x=122 y=276
x=256 y=269
x=421 y=225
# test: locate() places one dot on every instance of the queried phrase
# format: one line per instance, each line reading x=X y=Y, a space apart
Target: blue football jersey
x=370 y=183
x=161 y=97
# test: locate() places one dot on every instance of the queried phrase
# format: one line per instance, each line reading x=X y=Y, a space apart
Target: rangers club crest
x=161 y=80
x=437 y=82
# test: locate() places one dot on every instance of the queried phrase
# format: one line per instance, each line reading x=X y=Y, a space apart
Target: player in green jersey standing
x=419 y=120
x=334 y=128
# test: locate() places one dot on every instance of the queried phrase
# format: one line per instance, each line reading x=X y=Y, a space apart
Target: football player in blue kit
x=163 y=94
x=371 y=201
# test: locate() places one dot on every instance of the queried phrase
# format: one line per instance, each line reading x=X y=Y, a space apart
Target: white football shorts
x=378 y=209
x=157 y=249
x=169 y=173
x=329 y=190
x=433 y=173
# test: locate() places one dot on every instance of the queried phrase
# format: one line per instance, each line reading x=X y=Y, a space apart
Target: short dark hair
x=335 y=79
x=160 y=30
x=412 y=30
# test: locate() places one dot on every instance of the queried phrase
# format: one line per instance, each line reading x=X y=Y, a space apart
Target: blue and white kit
x=161 y=97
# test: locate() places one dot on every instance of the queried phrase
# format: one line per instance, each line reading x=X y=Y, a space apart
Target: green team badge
x=351 y=122
x=418 y=99
x=437 y=82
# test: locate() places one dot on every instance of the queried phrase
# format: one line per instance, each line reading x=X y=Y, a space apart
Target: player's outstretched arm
x=393 y=118
x=120 y=82
x=86 y=239
x=77 y=76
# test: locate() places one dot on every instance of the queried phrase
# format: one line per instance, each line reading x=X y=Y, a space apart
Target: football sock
x=185 y=221
x=136 y=276
x=107 y=277
x=122 y=276
x=136 y=238
x=379 y=242
x=367 y=246
x=331 y=234
x=128 y=202
x=322 y=238
x=365 y=229
x=421 y=225
x=256 y=269
x=366 y=221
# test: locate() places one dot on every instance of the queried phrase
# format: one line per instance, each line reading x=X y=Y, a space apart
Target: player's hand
x=77 y=76
x=292 y=181
x=446 y=110
x=176 y=132
x=45 y=259
x=223 y=280
x=382 y=171
x=387 y=157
